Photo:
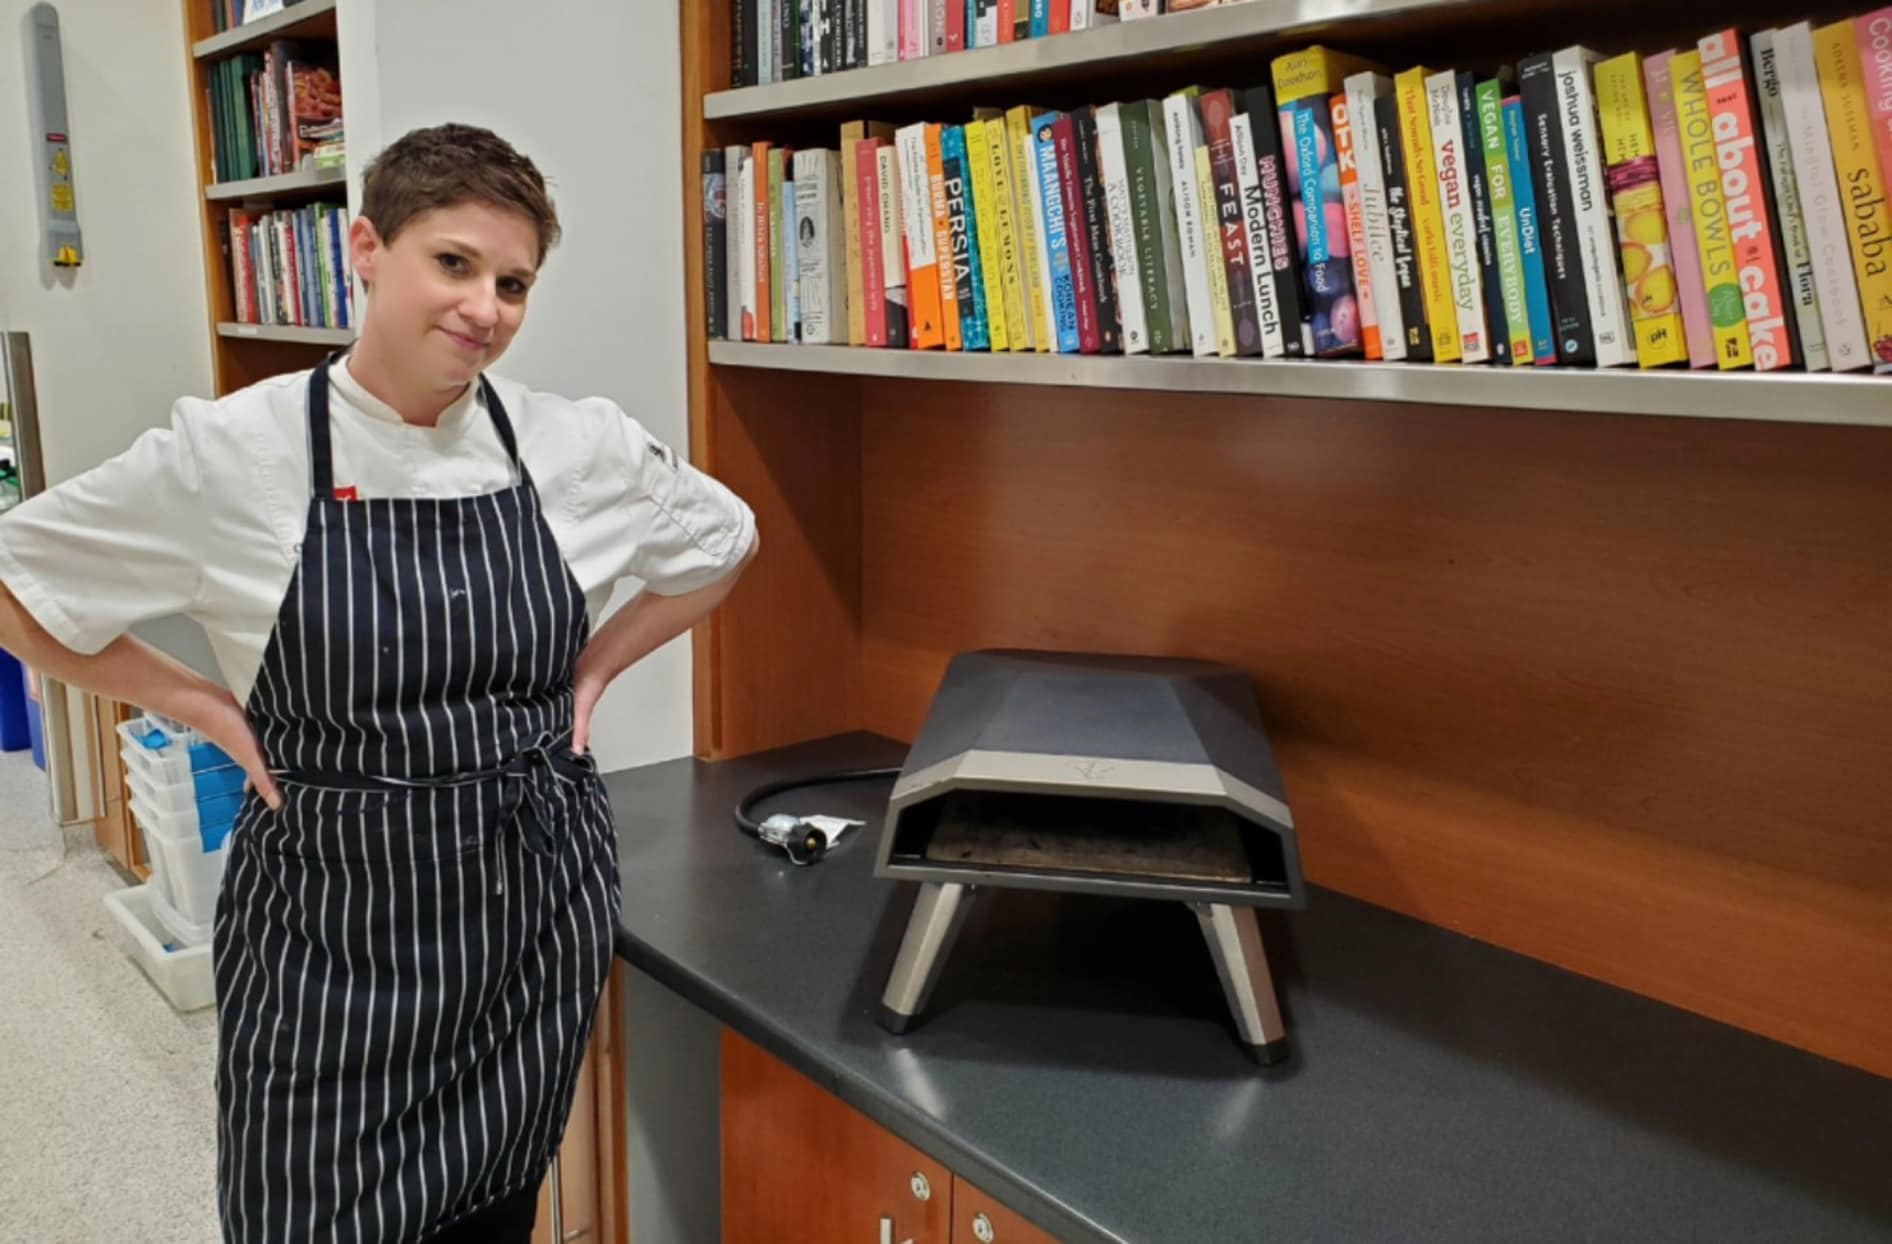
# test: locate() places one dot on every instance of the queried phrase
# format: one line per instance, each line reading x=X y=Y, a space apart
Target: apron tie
x=530 y=788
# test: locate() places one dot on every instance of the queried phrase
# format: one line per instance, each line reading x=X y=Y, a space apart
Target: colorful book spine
x=1401 y=233
x=1057 y=241
x=985 y=222
x=1146 y=147
x=916 y=203
x=1255 y=230
x=1284 y=259
x=1550 y=173
x=969 y=281
x=1028 y=210
x=823 y=286
x=1090 y=184
x=1504 y=220
x=764 y=299
x=791 y=257
x=746 y=256
x=950 y=336
x=1744 y=188
x=1796 y=256
x=1874 y=31
x=1342 y=120
x=1320 y=226
x=873 y=265
x=1114 y=168
x=1455 y=205
x=1218 y=110
x=1720 y=277
x=893 y=254
x=1862 y=182
x=1589 y=196
x=1543 y=325
x=715 y=236
x=1219 y=302
x=1422 y=184
x=1364 y=91
x=998 y=146
x=1183 y=129
x=1476 y=176
x=1841 y=317
x=1076 y=234
x=1629 y=161
x=1672 y=171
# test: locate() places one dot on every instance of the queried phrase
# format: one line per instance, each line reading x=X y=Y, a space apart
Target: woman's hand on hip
x=224 y=723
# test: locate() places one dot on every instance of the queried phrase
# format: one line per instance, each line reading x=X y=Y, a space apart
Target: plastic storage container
x=182 y=932
x=183 y=871
x=181 y=973
x=178 y=810
x=167 y=755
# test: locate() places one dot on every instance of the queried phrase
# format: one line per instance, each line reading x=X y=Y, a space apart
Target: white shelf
x=279 y=332
x=299 y=182
x=1093 y=50
x=1783 y=398
x=284 y=25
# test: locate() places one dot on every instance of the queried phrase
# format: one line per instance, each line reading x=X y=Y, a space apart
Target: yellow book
x=1849 y=126
x=1011 y=254
x=985 y=216
x=1024 y=187
x=1655 y=308
x=1422 y=190
x=851 y=135
x=1218 y=273
x=1701 y=165
x=1314 y=71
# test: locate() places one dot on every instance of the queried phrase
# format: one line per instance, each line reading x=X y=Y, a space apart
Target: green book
x=778 y=301
x=1157 y=255
x=1504 y=218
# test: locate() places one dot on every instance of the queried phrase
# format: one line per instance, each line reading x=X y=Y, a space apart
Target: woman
x=396 y=559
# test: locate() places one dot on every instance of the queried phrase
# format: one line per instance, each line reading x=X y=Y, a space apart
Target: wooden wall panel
x=1613 y=692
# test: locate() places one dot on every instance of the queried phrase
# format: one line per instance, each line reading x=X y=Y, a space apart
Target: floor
x=107 y=1126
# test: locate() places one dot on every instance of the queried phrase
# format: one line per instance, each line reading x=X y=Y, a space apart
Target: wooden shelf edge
x=276 y=25
x=1859 y=400
x=1095 y=48
x=280 y=332
x=283 y=183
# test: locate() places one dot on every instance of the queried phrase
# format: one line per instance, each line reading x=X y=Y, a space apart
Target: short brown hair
x=446 y=165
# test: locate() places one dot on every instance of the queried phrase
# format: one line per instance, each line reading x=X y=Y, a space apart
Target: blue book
x=1040 y=18
x=791 y=269
x=1536 y=287
x=1315 y=173
x=968 y=276
x=1057 y=240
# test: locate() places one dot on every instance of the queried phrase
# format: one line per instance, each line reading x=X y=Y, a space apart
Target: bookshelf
x=243 y=353
x=1605 y=692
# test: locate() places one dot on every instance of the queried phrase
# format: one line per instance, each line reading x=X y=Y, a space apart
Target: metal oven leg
x=1234 y=936
x=938 y=913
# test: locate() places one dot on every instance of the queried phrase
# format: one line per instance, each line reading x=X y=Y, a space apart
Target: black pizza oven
x=1120 y=775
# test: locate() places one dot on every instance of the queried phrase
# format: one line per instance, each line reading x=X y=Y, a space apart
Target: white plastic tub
x=182 y=974
x=187 y=874
x=178 y=929
x=171 y=763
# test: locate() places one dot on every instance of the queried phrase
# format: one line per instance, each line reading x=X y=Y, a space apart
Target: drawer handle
x=886 y=1231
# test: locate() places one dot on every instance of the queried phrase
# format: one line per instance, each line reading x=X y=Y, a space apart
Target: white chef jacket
x=206 y=518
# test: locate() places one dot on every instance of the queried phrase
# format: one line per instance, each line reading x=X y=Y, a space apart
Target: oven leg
x=938 y=913
x=1234 y=936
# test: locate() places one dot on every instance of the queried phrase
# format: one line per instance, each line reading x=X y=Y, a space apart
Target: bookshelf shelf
x=309 y=19
x=1797 y=398
x=1223 y=30
x=286 y=333
x=302 y=181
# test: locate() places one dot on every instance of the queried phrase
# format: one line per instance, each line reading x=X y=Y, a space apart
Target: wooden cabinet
x=800 y=1165
x=978 y=1219
x=581 y=1200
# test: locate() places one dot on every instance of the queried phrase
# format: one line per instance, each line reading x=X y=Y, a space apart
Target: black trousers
x=508 y=1221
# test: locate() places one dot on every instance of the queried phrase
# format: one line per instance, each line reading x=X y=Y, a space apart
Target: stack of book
x=276 y=111
x=1719 y=205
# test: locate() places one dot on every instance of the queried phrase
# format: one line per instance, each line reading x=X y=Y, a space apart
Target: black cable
x=745 y=820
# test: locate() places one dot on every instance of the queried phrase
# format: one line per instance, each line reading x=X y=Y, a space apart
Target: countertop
x=1077 y=1062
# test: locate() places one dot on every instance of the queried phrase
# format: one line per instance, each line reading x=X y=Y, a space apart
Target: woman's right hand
x=225 y=724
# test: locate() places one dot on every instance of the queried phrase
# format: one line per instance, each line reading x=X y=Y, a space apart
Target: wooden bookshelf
x=1607 y=692
x=244 y=353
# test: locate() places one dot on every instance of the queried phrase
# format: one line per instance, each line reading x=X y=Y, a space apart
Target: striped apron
x=410 y=952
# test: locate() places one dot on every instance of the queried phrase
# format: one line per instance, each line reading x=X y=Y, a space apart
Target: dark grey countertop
x=1077 y=1063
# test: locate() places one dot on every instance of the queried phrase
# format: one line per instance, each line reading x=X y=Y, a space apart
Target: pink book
x=1672 y=172
x=1875 y=57
x=913 y=32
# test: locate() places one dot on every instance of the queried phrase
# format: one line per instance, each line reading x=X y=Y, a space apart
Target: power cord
x=805 y=838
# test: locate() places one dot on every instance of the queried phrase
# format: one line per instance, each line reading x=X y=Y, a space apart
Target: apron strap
x=321 y=437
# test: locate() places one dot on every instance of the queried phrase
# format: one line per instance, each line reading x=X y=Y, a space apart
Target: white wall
x=117 y=340
x=589 y=90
